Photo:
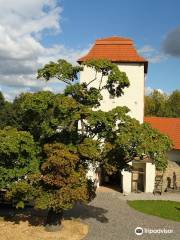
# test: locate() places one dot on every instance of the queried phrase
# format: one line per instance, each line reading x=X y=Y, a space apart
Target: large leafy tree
x=2 y=100
x=156 y=104
x=162 y=105
x=49 y=117
x=63 y=180
x=7 y=113
x=60 y=184
x=18 y=156
x=77 y=133
x=125 y=139
x=173 y=103
x=35 y=112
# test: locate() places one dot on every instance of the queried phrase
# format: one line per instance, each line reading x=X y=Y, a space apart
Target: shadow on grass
x=38 y=217
x=11 y=214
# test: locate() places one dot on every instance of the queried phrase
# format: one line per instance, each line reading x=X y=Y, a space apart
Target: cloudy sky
x=34 y=32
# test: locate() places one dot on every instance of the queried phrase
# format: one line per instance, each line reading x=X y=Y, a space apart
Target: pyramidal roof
x=115 y=49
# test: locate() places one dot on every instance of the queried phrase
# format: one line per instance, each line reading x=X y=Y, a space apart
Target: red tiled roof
x=169 y=126
x=115 y=49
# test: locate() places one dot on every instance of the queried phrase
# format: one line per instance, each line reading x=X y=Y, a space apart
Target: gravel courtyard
x=110 y=218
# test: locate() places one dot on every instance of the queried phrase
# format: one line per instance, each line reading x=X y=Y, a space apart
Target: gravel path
x=110 y=218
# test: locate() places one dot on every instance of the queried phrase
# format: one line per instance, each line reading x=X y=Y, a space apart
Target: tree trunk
x=53 y=221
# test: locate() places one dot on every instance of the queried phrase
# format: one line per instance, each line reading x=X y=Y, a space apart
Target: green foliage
x=84 y=95
x=2 y=100
x=123 y=138
x=7 y=113
x=75 y=134
x=48 y=116
x=155 y=104
x=90 y=150
x=173 y=103
x=155 y=145
x=36 y=113
x=105 y=124
x=61 y=70
x=116 y=81
x=161 y=105
x=134 y=141
x=67 y=73
x=18 y=156
x=101 y=65
x=22 y=192
x=63 y=179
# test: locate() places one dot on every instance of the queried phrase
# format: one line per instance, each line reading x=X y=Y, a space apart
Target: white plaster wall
x=133 y=96
x=92 y=174
x=149 y=177
x=126 y=180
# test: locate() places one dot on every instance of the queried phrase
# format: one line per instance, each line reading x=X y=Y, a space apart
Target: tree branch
x=93 y=79
x=65 y=81
x=100 y=82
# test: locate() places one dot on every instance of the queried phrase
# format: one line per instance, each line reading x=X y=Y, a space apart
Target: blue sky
x=33 y=33
x=146 y=22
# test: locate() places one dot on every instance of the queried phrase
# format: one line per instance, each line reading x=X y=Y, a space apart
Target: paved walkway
x=141 y=196
x=110 y=218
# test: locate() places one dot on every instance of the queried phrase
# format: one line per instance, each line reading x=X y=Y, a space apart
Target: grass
x=164 y=209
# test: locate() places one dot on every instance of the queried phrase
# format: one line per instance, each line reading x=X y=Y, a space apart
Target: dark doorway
x=111 y=181
x=138 y=180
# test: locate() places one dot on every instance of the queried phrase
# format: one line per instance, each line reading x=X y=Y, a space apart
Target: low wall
x=171 y=175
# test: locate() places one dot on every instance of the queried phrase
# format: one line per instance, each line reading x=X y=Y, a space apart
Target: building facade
x=122 y=52
x=170 y=127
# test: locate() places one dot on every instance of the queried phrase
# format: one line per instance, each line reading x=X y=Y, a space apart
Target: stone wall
x=171 y=174
x=174 y=155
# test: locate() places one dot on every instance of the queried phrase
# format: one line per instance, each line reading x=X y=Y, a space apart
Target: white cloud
x=22 y=26
x=25 y=17
x=157 y=58
x=146 y=49
x=48 y=88
x=160 y=90
x=149 y=90
x=151 y=54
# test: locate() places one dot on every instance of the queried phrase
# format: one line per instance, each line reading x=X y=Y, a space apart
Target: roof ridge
x=114 y=38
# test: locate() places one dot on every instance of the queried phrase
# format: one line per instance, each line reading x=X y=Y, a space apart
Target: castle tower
x=122 y=52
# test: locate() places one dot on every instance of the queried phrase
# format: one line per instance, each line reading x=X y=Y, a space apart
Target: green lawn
x=163 y=209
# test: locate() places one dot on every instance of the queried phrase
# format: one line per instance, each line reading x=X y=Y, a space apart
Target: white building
x=122 y=52
x=170 y=127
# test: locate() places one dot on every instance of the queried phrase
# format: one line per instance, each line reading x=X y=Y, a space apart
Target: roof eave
x=119 y=61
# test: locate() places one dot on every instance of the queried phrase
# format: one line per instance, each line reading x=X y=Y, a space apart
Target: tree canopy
x=35 y=112
x=7 y=113
x=18 y=156
x=72 y=133
x=162 y=105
